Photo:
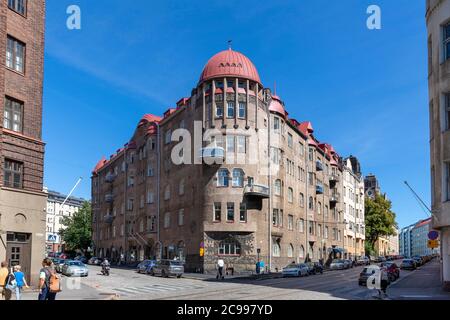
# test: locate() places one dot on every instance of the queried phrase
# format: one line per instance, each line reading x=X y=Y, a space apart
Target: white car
x=295 y=270
x=337 y=264
x=75 y=268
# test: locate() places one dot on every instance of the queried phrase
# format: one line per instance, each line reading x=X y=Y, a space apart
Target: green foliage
x=380 y=220
x=77 y=233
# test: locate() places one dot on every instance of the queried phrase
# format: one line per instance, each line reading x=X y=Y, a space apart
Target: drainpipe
x=158 y=182
x=269 y=176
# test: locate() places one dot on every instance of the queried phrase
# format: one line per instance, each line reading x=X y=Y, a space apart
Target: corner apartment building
x=22 y=200
x=353 y=194
x=56 y=210
x=405 y=241
x=438 y=24
x=256 y=184
x=414 y=239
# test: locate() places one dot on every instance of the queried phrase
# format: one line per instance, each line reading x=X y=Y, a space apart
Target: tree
x=77 y=233
x=380 y=220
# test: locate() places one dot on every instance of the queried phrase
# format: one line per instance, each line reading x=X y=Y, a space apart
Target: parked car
x=408 y=264
x=392 y=270
x=95 y=261
x=58 y=264
x=296 y=270
x=314 y=268
x=75 y=268
x=364 y=275
x=143 y=266
x=363 y=261
x=167 y=268
x=418 y=260
x=337 y=264
x=350 y=263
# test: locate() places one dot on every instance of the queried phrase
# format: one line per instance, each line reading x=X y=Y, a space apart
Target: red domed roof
x=277 y=106
x=230 y=63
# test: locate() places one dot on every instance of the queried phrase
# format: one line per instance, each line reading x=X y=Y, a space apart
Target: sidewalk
x=422 y=284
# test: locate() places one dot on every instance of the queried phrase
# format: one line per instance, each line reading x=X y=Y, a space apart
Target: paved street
x=128 y=285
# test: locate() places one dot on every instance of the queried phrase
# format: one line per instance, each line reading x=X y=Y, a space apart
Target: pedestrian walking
x=45 y=278
x=20 y=281
x=4 y=275
x=220 y=265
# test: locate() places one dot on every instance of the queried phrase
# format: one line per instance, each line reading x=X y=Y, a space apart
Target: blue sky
x=365 y=91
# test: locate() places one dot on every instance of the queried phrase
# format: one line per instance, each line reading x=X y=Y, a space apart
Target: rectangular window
x=130 y=204
x=291 y=222
x=219 y=110
x=217 y=211
x=242 y=109
x=241 y=145
x=181 y=217
x=447 y=41
x=301 y=149
x=302 y=200
x=311 y=154
x=243 y=213
x=230 y=144
x=13 y=115
x=447 y=111
x=319 y=230
x=167 y=220
x=276 y=125
x=141 y=202
x=150 y=171
x=301 y=225
x=230 y=109
x=275 y=217
x=311 y=227
x=15 y=54
x=13 y=174
x=18 y=6
x=230 y=211
x=290 y=141
x=447 y=181
x=168 y=137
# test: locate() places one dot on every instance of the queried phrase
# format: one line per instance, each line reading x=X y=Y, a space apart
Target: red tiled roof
x=99 y=165
x=277 y=106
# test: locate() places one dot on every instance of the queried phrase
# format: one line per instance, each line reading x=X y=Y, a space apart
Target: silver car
x=337 y=264
x=167 y=268
x=75 y=268
x=295 y=270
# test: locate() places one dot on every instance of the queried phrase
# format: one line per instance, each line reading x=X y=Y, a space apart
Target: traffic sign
x=433 y=235
x=433 y=244
x=202 y=252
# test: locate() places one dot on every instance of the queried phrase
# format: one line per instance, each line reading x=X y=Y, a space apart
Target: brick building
x=22 y=200
x=250 y=183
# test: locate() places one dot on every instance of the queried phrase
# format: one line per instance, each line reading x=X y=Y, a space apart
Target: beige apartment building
x=22 y=200
x=354 y=218
x=438 y=24
x=226 y=174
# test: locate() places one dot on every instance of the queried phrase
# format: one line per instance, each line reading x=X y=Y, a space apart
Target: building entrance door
x=18 y=252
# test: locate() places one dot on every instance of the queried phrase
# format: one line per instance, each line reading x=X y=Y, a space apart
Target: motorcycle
x=105 y=270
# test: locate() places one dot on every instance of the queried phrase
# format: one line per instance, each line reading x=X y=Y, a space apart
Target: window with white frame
x=15 y=54
x=223 y=176
x=230 y=211
x=242 y=109
x=243 y=213
x=219 y=110
x=238 y=178
x=230 y=144
x=241 y=144
x=277 y=187
x=13 y=115
x=230 y=109
x=217 y=211
x=290 y=251
x=301 y=226
x=229 y=247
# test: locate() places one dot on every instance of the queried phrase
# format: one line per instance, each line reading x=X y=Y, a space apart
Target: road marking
x=415 y=296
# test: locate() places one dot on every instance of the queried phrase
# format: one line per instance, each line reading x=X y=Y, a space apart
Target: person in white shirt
x=220 y=265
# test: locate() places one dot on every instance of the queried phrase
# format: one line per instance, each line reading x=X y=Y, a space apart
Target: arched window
x=223 y=177
x=290 y=251
x=319 y=208
x=238 y=178
x=229 y=247
x=181 y=188
x=277 y=187
x=302 y=200
x=301 y=252
x=311 y=203
x=276 y=249
x=290 y=195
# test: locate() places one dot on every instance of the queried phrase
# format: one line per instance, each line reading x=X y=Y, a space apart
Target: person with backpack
x=49 y=281
x=20 y=281
x=4 y=273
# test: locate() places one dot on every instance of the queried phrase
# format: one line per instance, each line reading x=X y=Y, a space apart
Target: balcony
x=211 y=155
x=334 y=178
x=109 y=198
x=319 y=165
x=108 y=219
x=110 y=178
x=257 y=190
x=319 y=189
x=334 y=197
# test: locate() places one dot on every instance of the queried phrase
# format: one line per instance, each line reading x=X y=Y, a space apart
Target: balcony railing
x=109 y=198
x=319 y=189
x=319 y=165
x=212 y=154
x=257 y=190
x=334 y=178
x=334 y=197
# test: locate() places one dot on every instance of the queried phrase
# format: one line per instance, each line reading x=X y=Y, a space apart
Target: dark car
x=408 y=264
x=364 y=275
x=392 y=270
x=82 y=259
x=418 y=260
x=315 y=268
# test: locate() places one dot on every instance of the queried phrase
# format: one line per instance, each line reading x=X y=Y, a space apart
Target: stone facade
x=22 y=206
x=438 y=24
x=273 y=192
